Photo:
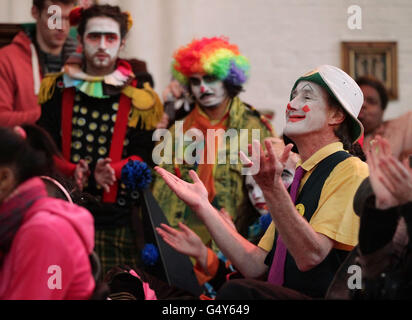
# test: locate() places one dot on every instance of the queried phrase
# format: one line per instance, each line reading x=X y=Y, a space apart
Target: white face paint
x=102 y=41
x=287 y=177
x=256 y=195
x=208 y=91
x=307 y=111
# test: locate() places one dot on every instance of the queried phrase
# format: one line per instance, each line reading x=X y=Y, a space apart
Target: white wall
x=282 y=38
x=15 y=11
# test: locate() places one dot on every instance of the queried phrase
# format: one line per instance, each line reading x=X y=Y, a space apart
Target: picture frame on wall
x=376 y=59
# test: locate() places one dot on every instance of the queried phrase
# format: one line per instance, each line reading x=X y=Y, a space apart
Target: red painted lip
x=261 y=205
x=296 y=118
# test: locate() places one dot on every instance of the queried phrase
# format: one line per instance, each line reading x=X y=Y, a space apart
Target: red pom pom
x=75 y=16
x=124 y=64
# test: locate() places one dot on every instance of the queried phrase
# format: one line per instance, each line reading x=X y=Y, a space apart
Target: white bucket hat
x=343 y=88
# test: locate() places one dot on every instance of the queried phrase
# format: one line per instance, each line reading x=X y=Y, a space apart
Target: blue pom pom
x=150 y=254
x=136 y=175
x=265 y=221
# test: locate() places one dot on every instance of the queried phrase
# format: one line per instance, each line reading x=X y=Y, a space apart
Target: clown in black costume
x=101 y=115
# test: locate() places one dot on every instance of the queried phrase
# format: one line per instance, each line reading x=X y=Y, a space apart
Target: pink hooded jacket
x=49 y=256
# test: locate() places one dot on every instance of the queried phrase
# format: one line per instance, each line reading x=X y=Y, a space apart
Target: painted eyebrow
x=307 y=87
x=98 y=32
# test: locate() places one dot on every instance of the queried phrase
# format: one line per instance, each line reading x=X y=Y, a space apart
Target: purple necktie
x=276 y=273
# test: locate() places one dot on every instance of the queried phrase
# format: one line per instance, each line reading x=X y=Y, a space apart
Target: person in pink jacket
x=45 y=242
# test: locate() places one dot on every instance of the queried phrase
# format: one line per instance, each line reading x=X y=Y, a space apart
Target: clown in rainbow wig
x=215 y=57
x=213 y=72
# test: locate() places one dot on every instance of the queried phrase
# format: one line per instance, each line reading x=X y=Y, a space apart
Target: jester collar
x=147 y=109
x=95 y=86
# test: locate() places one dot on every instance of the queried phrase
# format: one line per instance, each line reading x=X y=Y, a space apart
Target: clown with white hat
x=316 y=226
x=342 y=90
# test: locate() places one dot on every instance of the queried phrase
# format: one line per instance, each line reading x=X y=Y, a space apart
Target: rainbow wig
x=212 y=56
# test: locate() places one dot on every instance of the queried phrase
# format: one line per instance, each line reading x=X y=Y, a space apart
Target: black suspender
x=315 y=281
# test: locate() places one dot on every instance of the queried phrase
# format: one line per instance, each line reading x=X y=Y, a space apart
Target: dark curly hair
x=378 y=86
x=17 y=153
x=40 y=4
x=343 y=132
x=113 y=12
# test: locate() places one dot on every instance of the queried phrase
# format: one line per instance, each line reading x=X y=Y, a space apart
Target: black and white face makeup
x=102 y=41
x=208 y=90
x=256 y=195
x=307 y=111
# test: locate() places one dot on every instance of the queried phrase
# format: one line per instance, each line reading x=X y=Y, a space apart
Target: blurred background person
x=214 y=73
x=38 y=232
x=397 y=131
x=33 y=53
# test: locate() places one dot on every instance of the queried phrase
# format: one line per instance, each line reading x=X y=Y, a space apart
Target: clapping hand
x=185 y=241
x=104 y=174
x=173 y=91
x=81 y=174
x=164 y=122
x=193 y=194
x=390 y=179
x=271 y=167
